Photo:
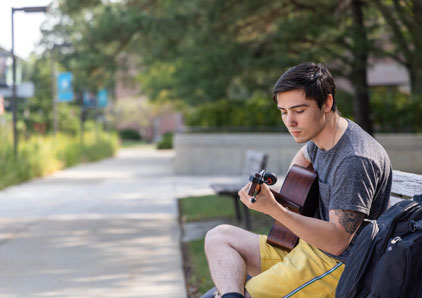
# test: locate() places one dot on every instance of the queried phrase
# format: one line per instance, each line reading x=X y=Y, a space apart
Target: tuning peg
x=270 y=178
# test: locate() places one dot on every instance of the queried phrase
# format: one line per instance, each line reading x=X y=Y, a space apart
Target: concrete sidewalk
x=106 y=229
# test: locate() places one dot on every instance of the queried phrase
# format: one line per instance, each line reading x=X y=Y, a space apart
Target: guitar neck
x=286 y=203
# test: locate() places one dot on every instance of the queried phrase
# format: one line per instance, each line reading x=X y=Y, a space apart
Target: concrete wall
x=405 y=151
x=222 y=154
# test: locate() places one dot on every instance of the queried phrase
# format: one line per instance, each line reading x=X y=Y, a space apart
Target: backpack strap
x=408 y=226
x=415 y=225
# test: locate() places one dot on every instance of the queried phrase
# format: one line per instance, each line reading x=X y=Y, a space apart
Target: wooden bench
x=405 y=186
x=254 y=162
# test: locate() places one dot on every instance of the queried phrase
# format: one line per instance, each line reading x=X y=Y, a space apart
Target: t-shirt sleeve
x=311 y=150
x=354 y=185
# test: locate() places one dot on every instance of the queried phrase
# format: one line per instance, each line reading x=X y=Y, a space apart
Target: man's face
x=302 y=117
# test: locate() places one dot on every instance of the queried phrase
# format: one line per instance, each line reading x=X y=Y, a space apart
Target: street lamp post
x=14 y=99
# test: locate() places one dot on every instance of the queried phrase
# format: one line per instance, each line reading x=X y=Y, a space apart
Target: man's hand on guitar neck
x=265 y=201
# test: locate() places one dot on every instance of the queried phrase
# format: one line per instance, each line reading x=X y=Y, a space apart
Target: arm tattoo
x=350 y=220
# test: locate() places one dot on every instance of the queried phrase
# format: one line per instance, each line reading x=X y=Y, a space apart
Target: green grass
x=198 y=276
x=204 y=208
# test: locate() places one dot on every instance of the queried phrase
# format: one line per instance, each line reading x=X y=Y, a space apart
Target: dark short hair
x=313 y=79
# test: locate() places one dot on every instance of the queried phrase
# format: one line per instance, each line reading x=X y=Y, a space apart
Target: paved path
x=106 y=229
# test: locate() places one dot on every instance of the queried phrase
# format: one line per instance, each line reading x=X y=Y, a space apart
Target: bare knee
x=218 y=236
x=226 y=238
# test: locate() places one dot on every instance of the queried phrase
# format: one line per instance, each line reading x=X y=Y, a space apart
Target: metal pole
x=14 y=100
x=54 y=92
x=83 y=115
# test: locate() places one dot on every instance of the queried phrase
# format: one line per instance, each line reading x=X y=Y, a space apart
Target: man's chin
x=300 y=139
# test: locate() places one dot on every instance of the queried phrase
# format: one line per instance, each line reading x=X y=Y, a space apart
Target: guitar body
x=299 y=193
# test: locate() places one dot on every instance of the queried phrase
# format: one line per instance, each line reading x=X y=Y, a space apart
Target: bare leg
x=232 y=253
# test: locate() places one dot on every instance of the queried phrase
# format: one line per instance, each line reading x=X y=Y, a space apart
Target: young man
x=354 y=175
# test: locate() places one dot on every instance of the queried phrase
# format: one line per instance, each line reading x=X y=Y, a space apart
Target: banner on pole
x=64 y=86
x=102 y=97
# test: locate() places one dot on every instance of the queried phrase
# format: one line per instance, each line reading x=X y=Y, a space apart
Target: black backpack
x=386 y=259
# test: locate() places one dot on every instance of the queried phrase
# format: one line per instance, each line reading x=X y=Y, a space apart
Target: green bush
x=391 y=111
x=166 y=142
x=103 y=147
x=39 y=156
x=258 y=113
x=395 y=111
x=129 y=134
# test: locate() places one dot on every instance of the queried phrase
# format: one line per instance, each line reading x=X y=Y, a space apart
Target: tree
x=253 y=43
x=200 y=52
x=404 y=19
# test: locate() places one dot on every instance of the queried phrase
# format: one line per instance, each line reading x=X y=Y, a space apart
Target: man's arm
x=333 y=236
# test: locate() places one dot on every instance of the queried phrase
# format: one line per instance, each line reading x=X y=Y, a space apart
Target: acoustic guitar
x=299 y=193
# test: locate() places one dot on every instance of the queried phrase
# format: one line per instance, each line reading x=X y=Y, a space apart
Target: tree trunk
x=358 y=77
x=415 y=68
x=361 y=101
x=415 y=73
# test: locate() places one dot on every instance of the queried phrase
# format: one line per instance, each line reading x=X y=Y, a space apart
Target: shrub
x=258 y=113
x=395 y=111
x=39 y=156
x=129 y=134
x=166 y=141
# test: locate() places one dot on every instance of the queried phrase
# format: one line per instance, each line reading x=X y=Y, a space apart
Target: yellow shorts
x=304 y=272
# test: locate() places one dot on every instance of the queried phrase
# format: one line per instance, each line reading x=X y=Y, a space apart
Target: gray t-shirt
x=354 y=175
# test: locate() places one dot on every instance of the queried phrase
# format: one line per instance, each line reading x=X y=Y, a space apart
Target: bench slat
x=406 y=184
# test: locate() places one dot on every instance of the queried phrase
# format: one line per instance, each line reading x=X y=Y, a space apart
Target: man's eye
x=283 y=113
x=300 y=111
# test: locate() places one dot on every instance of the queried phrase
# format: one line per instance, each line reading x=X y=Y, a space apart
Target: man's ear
x=328 y=103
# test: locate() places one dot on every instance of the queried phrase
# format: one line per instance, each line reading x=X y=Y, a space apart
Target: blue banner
x=64 y=86
x=102 y=98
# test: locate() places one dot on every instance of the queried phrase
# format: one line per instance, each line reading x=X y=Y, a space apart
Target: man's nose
x=291 y=120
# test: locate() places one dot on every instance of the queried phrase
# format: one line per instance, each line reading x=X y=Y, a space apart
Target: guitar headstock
x=257 y=180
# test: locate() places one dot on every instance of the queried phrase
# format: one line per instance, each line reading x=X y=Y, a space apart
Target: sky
x=27 y=26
